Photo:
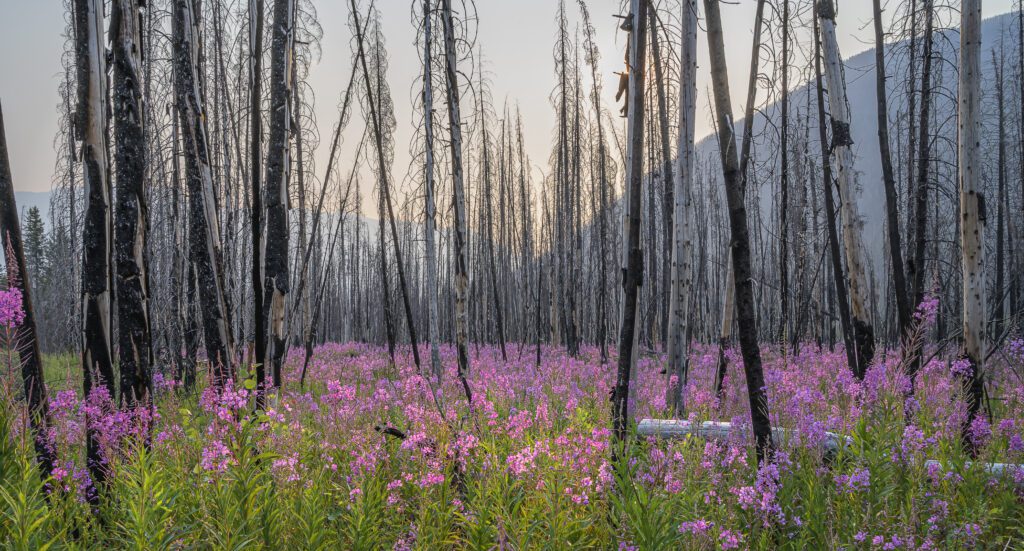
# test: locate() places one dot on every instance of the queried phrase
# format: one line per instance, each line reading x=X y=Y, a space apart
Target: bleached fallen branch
x=720 y=430
x=832 y=442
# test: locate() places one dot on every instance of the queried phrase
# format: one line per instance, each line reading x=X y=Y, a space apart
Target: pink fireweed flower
x=729 y=539
x=431 y=479
x=12 y=314
x=289 y=467
x=217 y=457
x=695 y=527
x=859 y=479
x=962 y=368
x=928 y=310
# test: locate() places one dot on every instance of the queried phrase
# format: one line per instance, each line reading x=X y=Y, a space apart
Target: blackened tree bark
x=131 y=227
x=999 y=291
x=1017 y=256
x=385 y=278
x=746 y=316
x=729 y=300
x=899 y=279
x=458 y=194
x=633 y=267
x=27 y=341
x=256 y=193
x=661 y=84
x=275 y=267
x=204 y=230
x=489 y=237
x=592 y=59
x=784 y=184
x=563 y=198
x=97 y=361
x=917 y=267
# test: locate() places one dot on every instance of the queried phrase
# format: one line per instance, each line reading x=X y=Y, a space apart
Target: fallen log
x=720 y=430
x=832 y=442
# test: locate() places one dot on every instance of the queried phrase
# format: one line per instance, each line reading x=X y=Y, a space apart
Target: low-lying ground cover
x=530 y=464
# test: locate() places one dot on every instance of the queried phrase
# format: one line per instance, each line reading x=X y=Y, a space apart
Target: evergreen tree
x=35 y=243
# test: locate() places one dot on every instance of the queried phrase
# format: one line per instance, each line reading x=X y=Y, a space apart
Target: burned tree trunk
x=204 y=230
x=275 y=261
x=134 y=341
x=563 y=199
x=429 y=208
x=602 y=185
x=458 y=194
x=920 y=219
x=746 y=317
x=488 y=192
x=728 y=304
x=972 y=210
x=998 y=309
x=899 y=279
x=376 y=106
x=679 y=323
x=830 y=210
x=843 y=152
x=784 y=185
x=666 y=171
x=632 y=269
x=256 y=193
x=97 y=361
x=728 y=313
x=27 y=340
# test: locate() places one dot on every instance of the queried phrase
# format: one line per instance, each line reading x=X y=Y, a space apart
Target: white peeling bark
x=847 y=179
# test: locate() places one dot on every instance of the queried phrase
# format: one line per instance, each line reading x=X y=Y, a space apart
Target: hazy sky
x=517 y=38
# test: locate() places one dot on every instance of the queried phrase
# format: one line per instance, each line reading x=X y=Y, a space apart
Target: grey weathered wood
x=97 y=243
x=458 y=195
x=679 y=330
x=972 y=205
x=832 y=444
x=842 y=151
x=723 y=430
x=429 y=207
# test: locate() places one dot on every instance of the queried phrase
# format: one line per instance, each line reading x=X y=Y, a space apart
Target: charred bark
x=26 y=337
x=734 y=190
x=275 y=196
x=91 y=128
x=132 y=224
x=204 y=230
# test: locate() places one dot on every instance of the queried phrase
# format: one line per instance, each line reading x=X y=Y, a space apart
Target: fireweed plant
x=532 y=467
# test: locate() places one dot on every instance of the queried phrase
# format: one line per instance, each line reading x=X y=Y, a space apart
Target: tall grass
x=529 y=468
